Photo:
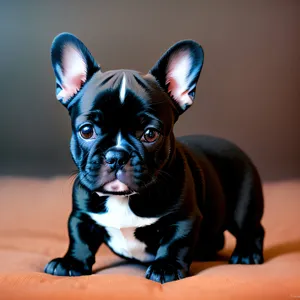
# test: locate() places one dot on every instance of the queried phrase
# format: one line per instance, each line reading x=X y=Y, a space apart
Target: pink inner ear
x=74 y=72
x=177 y=78
x=71 y=88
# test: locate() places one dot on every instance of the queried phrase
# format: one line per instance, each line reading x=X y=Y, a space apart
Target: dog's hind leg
x=246 y=223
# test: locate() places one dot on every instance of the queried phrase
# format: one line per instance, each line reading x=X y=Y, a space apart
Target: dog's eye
x=87 y=132
x=150 y=136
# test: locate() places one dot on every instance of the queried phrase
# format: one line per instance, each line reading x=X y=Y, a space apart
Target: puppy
x=148 y=196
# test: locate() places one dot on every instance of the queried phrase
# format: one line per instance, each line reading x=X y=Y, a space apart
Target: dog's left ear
x=178 y=71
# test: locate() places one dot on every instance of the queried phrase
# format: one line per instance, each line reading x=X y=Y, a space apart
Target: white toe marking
x=123 y=89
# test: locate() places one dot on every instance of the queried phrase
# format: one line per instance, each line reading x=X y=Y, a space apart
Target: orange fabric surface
x=33 y=230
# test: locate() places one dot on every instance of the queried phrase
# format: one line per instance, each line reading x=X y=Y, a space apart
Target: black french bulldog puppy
x=150 y=197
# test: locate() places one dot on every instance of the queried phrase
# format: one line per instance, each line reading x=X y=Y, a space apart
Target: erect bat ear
x=178 y=70
x=73 y=66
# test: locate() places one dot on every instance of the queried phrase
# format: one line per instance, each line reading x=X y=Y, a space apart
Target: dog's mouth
x=115 y=187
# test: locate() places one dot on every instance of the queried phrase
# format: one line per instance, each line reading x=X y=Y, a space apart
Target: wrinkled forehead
x=123 y=95
x=115 y=89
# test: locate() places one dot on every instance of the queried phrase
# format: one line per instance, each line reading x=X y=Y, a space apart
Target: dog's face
x=122 y=121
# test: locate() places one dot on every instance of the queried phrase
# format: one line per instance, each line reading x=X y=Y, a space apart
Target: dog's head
x=122 y=121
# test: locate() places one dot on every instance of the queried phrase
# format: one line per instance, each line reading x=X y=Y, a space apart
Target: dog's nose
x=116 y=159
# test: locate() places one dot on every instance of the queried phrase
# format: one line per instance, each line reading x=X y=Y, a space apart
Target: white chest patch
x=120 y=223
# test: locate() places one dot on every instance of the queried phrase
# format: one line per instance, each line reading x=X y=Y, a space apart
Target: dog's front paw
x=245 y=258
x=66 y=267
x=163 y=271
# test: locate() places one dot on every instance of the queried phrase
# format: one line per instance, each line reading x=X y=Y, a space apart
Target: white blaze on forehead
x=177 y=77
x=123 y=88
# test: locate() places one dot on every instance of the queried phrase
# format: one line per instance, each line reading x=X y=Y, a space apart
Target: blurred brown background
x=249 y=89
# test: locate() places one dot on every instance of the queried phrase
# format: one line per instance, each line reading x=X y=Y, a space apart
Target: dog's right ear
x=73 y=66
